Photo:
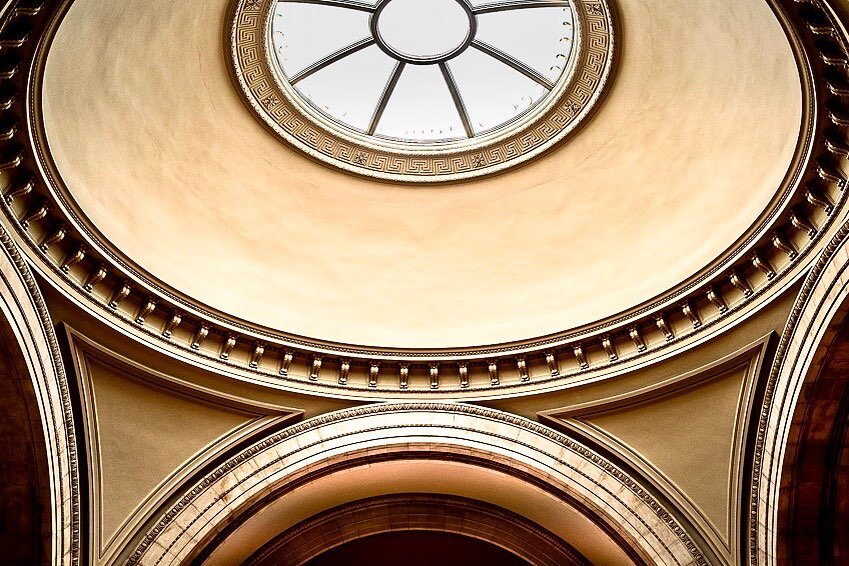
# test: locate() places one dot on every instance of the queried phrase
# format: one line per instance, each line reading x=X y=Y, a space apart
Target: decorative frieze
x=81 y=264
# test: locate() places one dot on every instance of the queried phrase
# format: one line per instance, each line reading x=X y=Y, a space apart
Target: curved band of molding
x=578 y=474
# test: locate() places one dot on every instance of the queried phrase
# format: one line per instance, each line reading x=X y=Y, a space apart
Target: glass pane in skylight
x=350 y=89
x=517 y=55
x=305 y=33
x=492 y=91
x=421 y=108
x=538 y=37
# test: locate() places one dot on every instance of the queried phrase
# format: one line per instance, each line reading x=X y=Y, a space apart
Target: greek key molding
x=255 y=74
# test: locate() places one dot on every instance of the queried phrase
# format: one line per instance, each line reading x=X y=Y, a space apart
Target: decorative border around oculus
x=255 y=75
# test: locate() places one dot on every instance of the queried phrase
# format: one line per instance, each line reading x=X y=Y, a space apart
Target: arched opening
x=416 y=548
x=478 y=454
x=814 y=497
x=413 y=529
x=25 y=510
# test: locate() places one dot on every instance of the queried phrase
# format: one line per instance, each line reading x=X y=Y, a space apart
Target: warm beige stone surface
x=696 y=134
x=435 y=432
x=144 y=435
x=424 y=477
x=699 y=461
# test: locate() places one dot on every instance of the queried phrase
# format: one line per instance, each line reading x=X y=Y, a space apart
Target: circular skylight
x=423 y=71
x=422 y=90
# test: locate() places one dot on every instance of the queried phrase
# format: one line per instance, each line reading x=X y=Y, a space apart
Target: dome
x=359 y=281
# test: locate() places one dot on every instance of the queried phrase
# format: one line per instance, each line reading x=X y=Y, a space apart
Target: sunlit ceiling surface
x=423 y=71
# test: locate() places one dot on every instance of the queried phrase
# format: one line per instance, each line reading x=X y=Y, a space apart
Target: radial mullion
x=350 y=4
x=385 y=96
x=458 y=100
x=518 y=5
x=332 y=58
x=514 y=63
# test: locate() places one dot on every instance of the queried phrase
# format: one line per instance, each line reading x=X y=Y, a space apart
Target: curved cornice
x=75 y=257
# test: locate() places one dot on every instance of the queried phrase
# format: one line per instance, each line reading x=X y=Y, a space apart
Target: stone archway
x=418 y=513
x=40 y=480
x=801 y=418
x=444 y=445
x=813 y=502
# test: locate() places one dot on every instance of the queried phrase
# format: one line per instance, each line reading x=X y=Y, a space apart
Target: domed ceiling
x=697 y=137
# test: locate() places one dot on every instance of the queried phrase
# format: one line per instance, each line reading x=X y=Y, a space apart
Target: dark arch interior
x=417 y=548
x=24 y=491
x=815 y=491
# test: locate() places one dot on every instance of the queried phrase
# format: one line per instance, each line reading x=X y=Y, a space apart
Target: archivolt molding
x=825 y=291
x=579 y=474
x=85 y=266
x=408 y=512
x=28 y=321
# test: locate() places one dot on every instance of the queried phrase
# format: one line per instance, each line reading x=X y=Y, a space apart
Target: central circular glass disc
x=423 y=29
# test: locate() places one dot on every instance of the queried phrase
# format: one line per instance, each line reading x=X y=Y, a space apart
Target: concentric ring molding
x=578 y=475
x=81 y=263
x=319 y=137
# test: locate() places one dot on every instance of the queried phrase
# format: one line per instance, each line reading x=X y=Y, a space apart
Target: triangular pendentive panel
x=145 y=437
x=685 y=435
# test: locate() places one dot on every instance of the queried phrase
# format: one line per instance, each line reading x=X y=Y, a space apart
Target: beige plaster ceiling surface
x=699 y=463
x=152 y=139
x=175 y=429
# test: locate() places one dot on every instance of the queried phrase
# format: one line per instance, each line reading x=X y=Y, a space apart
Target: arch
x=481 y=438
x=417 y=512
x=27 y=332
x=812 y=502
x=817 y=316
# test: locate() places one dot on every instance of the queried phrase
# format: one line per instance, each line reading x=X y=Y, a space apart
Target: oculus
x=422 y=90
